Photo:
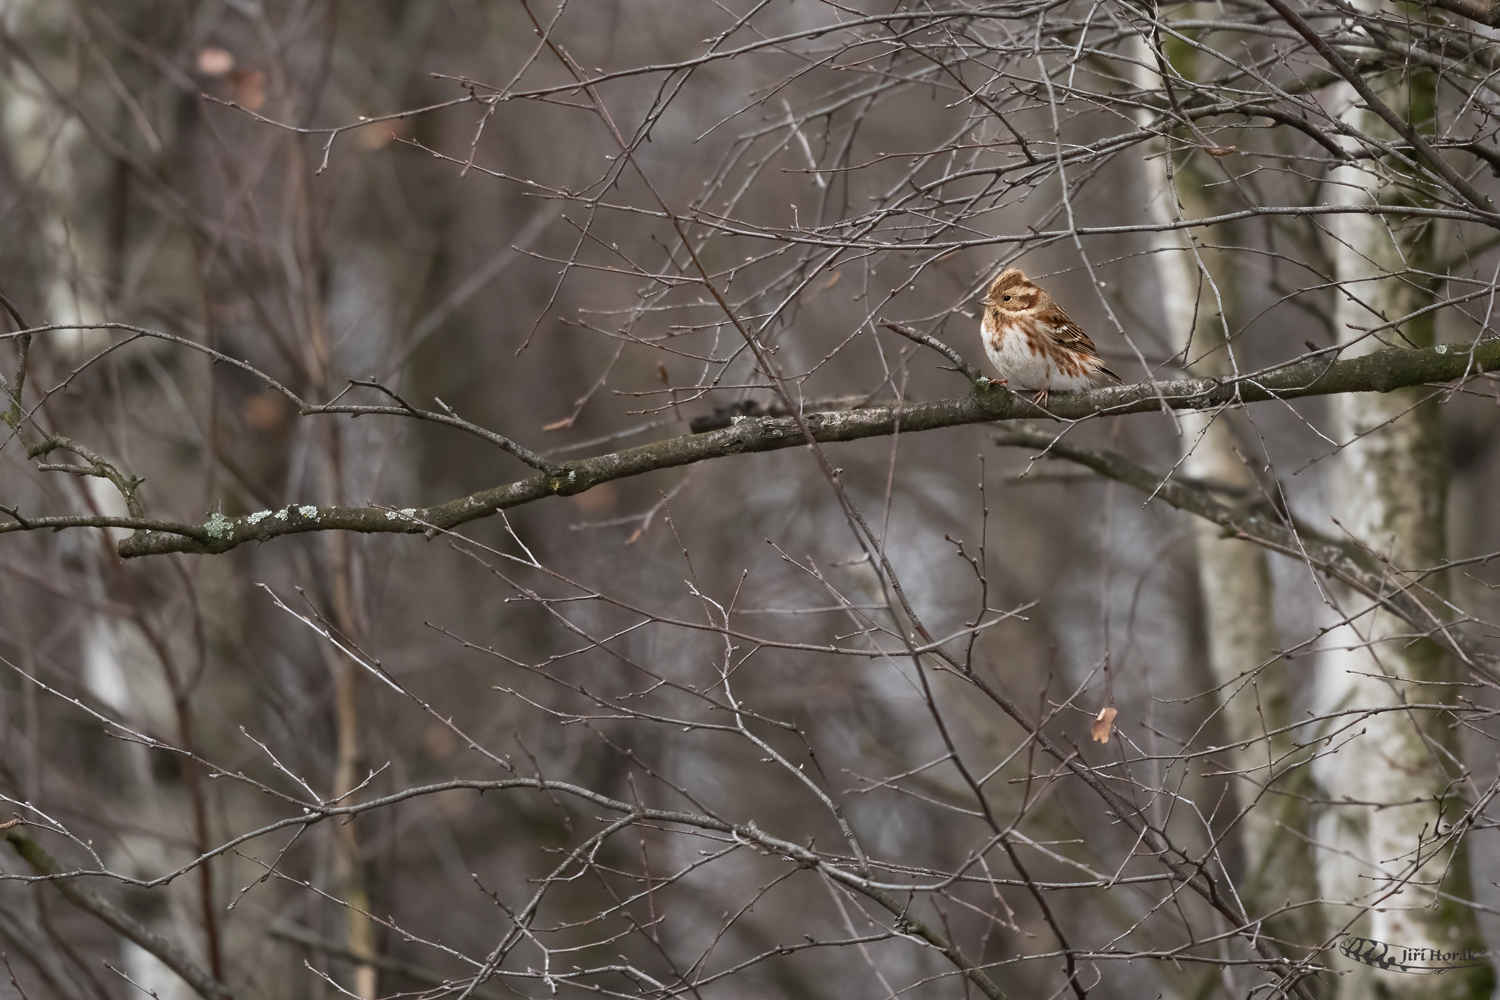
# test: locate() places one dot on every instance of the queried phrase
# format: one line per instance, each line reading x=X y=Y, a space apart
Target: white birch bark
x=115 y=662
x=1382 y=858
x=1235 y=583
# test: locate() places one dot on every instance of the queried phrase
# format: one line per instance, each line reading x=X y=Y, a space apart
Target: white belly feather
x=1024 y=369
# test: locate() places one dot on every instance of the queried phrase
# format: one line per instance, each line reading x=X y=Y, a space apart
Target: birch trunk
x=117 y=664
x=1276 y=880
x=1383 y=865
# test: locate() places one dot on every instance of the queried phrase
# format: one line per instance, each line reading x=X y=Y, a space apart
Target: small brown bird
x=1031 y=341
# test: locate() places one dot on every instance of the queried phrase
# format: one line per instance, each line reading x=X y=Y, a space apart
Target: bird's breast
x=1024 y=355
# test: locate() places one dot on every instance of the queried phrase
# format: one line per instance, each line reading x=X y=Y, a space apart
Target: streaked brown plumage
x=1031 y=341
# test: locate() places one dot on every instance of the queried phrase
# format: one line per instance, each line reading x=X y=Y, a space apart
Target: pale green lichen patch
x=281 y=514
x=308 y=511
x=405 y=512
x=258 y=516
x=218 y=526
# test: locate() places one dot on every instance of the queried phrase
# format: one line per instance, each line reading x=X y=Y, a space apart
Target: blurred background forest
x=814 y=722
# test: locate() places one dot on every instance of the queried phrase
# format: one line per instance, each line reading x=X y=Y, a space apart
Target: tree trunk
x=1384 y=866
x=1278 y=880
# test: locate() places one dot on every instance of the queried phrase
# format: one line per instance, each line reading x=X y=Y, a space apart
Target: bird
x=1031 y=341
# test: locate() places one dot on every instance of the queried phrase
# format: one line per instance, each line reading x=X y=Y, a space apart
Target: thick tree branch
x=171 y=956
x=1381 y=371
x=1486 y=12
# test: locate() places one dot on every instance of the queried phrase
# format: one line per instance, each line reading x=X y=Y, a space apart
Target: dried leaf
x=267 y=411
x=1221 y=150
x=439 y=741
x=559 y=425
x=249 y=88
x=1104 y=723
x=380 y=134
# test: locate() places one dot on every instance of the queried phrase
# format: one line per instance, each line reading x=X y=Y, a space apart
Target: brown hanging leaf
x=249 y=88
x=1104 y=723
x=267 y=411
x=380 y=134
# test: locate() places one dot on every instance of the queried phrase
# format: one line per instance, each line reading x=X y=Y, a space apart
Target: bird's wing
x=1070 y=335
x=1067 y=332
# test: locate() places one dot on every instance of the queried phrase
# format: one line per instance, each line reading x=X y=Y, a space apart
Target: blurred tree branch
x=1399 y=125
x=1391 y=586
x=172 y=956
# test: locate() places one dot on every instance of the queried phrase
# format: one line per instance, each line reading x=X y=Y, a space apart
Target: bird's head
x=1013 y=292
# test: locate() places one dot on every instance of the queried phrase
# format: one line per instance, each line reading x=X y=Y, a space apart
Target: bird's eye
x=1005 y=298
